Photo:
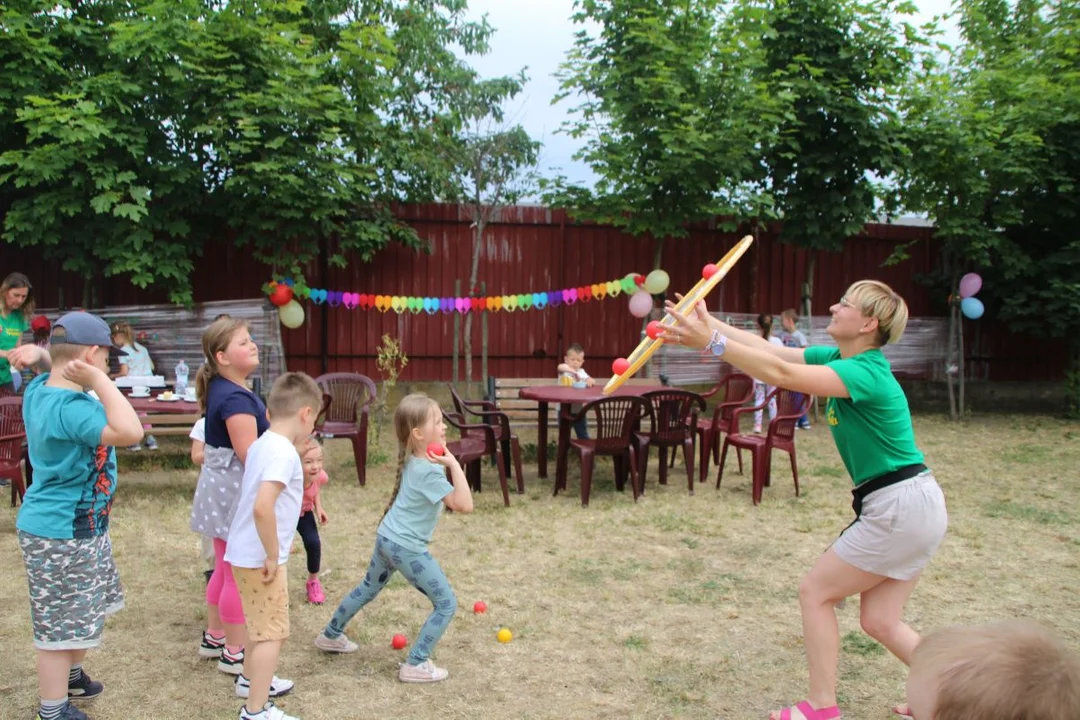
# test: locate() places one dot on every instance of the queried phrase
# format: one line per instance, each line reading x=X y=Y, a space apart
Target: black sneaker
x=70 y=713
x=211 y=647
x=84 y=688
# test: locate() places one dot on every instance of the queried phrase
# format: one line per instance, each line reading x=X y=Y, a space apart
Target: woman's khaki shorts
x=900 y=529
x=266 y=605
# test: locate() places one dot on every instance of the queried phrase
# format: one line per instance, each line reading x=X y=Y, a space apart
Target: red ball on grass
x=398 y=642
x=479 y=607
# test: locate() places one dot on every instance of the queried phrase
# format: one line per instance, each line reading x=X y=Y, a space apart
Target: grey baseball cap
x=81 y=328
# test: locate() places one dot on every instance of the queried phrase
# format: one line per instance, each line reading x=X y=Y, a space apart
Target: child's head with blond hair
x=1012 y=670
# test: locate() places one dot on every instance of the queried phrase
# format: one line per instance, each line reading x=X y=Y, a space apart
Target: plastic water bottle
x=181 y=377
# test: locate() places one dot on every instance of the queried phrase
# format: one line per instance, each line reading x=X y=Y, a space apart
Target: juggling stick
x=648 y=345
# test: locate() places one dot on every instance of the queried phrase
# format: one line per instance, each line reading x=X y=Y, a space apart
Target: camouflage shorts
x=73 y=587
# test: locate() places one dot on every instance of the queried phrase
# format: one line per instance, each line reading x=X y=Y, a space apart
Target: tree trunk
x=483 y=344
x=961 y=371
x=474 y=271
x=1072 y=379
x=457 y=333
x=950 y=354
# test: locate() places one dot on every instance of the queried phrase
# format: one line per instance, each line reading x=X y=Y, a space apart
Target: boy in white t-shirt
x=261 y=535
x=572 y=372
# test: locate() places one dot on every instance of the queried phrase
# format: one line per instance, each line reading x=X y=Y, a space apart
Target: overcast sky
x=537 y=34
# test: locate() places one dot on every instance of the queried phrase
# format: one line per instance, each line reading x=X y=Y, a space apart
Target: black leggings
x=308 y=527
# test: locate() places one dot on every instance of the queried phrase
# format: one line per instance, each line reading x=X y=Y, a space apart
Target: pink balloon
x=970 y=284
x=640 y=304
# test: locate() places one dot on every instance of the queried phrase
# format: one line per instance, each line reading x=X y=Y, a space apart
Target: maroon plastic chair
x=673 y=415
x=738 y=388
x=472 y=448
x=13 y=446
x=616 y=419
x=781 y=436
x=500 y=424
x=346 y=414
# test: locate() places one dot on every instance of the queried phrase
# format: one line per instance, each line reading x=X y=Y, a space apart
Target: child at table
x=572 y=372
x=311 y=516
x=134 y=362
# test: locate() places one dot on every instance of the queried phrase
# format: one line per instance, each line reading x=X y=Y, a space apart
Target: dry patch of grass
x=677 y=607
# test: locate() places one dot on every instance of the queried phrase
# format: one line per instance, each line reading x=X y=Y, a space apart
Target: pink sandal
x=829 y=713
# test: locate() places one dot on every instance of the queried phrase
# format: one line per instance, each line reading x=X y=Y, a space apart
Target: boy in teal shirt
x=63 y=525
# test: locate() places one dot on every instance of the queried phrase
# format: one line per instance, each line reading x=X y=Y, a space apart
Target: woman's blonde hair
x=18 y=280
x=1012 y=670
x=215 y=339
x=124 y=329
x=877 y=300
x=412 y=412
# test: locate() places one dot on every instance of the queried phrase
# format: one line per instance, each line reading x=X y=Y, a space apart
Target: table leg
x=562 y=451
x=541 y=438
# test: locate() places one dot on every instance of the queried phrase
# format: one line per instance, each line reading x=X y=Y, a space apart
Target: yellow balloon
x=291 y=314
x=657 y=282
x=397 y=304
x=614 y=288
x=504 y=635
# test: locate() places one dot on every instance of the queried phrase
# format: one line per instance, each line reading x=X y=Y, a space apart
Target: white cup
x=140 y=391
x=189 y=394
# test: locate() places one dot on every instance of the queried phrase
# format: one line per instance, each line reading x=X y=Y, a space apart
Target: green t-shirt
x=872 y=429
x=12 y=327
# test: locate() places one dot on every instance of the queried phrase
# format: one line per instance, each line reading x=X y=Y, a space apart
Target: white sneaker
x=269 y=712
x=278 y=687
x=425 y=672
x=340 y=644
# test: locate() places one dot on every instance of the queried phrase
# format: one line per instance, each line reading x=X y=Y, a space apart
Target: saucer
x=174 y=398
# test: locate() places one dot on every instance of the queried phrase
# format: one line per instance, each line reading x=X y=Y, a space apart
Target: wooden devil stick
x=711 y=275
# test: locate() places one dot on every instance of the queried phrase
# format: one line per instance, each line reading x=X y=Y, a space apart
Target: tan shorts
x=900 y=529
x=266 y=605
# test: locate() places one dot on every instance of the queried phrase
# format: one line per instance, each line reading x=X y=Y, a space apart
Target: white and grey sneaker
x=229 y=663
x=340 y=644
x=425 y=672
x=278 y=687
x=269 y=712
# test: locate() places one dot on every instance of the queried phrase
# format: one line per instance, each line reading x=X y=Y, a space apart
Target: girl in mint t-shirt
x=16 y=309
x=900 y=509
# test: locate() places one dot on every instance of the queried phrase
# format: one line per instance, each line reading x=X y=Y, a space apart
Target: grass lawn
x=678 y=607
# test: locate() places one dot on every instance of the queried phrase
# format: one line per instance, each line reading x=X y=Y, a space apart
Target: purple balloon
x=970 y=284
x=334 y=298
x=554 y=298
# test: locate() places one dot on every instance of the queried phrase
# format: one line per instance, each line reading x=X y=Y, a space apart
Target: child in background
x=134 y=362
x=198 y=454
x=792 y=336
x=1012 y=670
x=403 y=535
x=311 y=516
x=261 y=534
x=63 y=525
x=572 y=372
x=761 y=390
x=235 y=418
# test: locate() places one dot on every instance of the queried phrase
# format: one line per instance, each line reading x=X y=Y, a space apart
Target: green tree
x=994 y=159
x=135 y=132
x=845 y=63
x=672 y=108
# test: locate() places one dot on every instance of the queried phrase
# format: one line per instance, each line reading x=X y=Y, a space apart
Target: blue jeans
x=423 y=573
x=581 y=427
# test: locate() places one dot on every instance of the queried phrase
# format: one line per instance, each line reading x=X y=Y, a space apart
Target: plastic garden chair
x=674 y=417
x=780 y=436
x=616 y=420
x=503 y=433
x=346 y=414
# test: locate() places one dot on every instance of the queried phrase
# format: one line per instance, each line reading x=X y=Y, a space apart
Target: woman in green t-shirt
x=16 y=309
x=900 y=509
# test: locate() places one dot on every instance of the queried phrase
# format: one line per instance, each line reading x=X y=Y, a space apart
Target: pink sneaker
x=315 y=594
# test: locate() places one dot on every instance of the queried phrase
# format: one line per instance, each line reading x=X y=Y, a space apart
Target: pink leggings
x=221 y=590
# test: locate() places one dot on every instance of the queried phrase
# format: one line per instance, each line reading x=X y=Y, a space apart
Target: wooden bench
x=504 y=393
x=161 y=424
